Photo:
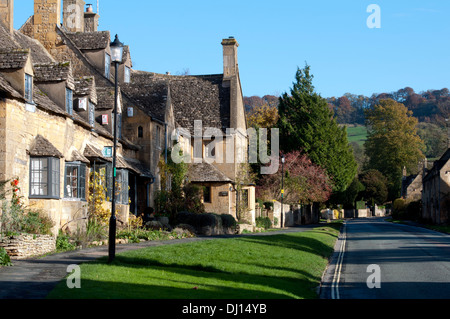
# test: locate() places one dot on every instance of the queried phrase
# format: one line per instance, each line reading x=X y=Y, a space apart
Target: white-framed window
x=107 y=65
x=44 y=177
x=75 y=181
x=28 y=88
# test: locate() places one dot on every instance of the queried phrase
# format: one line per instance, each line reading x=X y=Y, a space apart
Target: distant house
x=412 y=185
x=436 y=191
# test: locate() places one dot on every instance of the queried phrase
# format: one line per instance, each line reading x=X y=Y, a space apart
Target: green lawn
x=357 y=134
x=267 y=267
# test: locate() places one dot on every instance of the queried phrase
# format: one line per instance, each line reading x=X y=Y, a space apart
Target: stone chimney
x=90 y=20
x=230 y=59
x=47 y=17
x=232 y=81
x=73 y=15
x=7 y=14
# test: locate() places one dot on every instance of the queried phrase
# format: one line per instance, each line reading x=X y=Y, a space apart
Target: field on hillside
x=357 y=134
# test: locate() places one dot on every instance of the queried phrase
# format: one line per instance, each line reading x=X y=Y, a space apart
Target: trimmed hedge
x=203 y=222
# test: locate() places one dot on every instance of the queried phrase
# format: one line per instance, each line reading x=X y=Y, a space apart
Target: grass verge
x=286 y=266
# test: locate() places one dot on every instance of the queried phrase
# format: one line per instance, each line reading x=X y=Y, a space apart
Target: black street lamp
x=116 y=58
x=283 y=160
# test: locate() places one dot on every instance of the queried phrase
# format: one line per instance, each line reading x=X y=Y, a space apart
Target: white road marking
x=337 y=271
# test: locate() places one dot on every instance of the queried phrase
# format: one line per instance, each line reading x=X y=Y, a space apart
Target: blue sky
x=412 y=47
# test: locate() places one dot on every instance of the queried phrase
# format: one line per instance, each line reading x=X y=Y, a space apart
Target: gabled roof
x=38 y=53
x=206 y=173
x=13 y=59
x=90 y=40
x=105 y=97
x=200 y=98
x=41 y=147
x=149 y=91
x=85 y=86
x=193 y=98
x=54 y=72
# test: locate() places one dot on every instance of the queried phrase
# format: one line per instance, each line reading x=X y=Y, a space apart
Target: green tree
x=393 y=142
x=306 y=123
x=375 y=187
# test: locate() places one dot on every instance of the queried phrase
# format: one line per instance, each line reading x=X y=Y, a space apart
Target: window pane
x=69 y=101
x=28 y=88
x=55 y=177
x=39 y=177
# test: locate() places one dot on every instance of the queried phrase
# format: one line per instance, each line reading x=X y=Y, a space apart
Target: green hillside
x=357 y=133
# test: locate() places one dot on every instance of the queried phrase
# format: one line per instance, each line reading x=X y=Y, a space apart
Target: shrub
x=63 y=243
x=208 y=220
x=4 y=258
x=37 y=223
x=228 y=221
x=399 y=209
x=263 y=222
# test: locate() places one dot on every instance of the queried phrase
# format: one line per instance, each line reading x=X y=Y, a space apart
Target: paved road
x=35 y=278
x=412 y=263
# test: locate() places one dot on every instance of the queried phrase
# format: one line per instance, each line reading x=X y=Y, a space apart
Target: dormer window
x=107 y=65
x=69 y=101
x=127 y=75
x=28 y=88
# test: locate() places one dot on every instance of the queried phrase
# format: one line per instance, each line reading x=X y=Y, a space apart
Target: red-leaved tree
x=304 y=182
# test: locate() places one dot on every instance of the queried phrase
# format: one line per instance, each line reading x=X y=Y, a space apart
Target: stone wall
x=26 y=246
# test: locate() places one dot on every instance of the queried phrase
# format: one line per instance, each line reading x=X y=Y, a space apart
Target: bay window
x=44 y=177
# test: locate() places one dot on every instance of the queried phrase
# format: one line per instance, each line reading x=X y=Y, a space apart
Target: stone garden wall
x=26 y=246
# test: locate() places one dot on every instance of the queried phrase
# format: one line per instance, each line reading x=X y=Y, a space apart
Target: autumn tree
x=393 y=142
x=304 y=182
x=264 y=116
x=306 y=123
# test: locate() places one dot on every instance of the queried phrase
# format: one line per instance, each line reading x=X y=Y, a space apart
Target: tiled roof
x=7 y=41
x=149 y=91
x=42 y=147
x=38 y=53
x=85 y=86
x=105 y=97
x=200 y=98
x=54 y=72
x=193 y=98
x=13 y=59
x=77 y=157
x=139 y=168
x=90 y=40
x=206 y=173
x=92 y=152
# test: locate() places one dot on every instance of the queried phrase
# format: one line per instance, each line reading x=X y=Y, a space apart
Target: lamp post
x=283 y=160
x=116 y=58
